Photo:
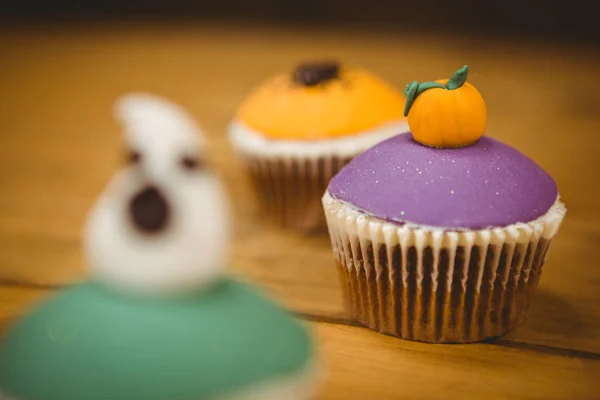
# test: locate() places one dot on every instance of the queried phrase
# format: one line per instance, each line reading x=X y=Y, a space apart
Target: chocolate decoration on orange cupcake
x=313 y=74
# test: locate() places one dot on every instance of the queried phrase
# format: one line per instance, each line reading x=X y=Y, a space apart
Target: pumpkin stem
x=414 y=89
x=410 y=92
x=458 y=79
x=428 y=85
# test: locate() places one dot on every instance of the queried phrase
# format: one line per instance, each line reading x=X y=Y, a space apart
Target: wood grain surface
x=59 y=145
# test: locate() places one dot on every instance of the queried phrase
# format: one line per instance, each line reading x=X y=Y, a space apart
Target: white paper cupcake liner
x=428 y=284
x=289 y=190
x=291 y=176
x=302 y=385
x=5 y=396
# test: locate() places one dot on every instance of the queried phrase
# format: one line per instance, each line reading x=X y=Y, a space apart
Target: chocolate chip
x=149 y=210
x=134 y=157
x=190 y=163
x=312 y=74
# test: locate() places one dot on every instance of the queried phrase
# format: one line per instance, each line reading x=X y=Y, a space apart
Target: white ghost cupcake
x=158 y=320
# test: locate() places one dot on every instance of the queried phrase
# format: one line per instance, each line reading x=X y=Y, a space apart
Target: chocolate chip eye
x=134 y=157
x=190 y=163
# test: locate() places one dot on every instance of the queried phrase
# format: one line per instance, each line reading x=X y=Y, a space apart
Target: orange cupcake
x=296 y=131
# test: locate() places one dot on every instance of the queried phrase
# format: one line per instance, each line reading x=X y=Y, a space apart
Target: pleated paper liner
x=289 y=189
x=430 y=285
x=5 y=397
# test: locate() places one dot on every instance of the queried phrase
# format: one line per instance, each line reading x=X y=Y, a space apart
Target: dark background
x=570 y=21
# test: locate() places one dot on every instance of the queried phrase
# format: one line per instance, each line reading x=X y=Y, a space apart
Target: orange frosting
x=356 y=101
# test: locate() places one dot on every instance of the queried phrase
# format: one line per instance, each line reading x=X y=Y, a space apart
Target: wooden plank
x=359 y=364
x=60 y=145
x=363 y=364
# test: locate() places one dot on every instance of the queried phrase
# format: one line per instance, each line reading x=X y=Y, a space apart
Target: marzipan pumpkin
x=447 y=112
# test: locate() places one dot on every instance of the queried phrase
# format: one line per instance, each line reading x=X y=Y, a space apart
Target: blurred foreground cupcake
x=297 y=130
x=441 y=234
x=159 y=319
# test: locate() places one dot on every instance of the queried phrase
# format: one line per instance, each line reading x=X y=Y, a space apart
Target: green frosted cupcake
x=158 y=320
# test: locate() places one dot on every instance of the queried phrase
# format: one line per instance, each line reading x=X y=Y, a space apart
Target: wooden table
x=59 y=145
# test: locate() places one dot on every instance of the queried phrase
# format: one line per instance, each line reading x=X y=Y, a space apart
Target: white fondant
x=152 y=122
x=547 y=224
x=249 y=141
x=4 y=396
x=302 y=385
x=299 y=386
x=192 y=250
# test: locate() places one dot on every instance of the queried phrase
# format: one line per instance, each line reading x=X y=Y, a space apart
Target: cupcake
x=159 y=319
x=441 y=234
x=296 y=130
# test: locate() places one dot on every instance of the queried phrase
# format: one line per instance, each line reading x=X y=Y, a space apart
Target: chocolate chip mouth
x=313 y=74
x=149 y=210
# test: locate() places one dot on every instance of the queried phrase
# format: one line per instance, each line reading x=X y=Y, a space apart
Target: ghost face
x=161 y=226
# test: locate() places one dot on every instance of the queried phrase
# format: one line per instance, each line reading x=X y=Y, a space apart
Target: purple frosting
x=488 y=184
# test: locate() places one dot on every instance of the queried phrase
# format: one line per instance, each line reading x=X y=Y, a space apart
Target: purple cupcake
x=441 y=244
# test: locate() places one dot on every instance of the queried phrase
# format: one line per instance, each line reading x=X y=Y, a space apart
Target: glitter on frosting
x=488 y=184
